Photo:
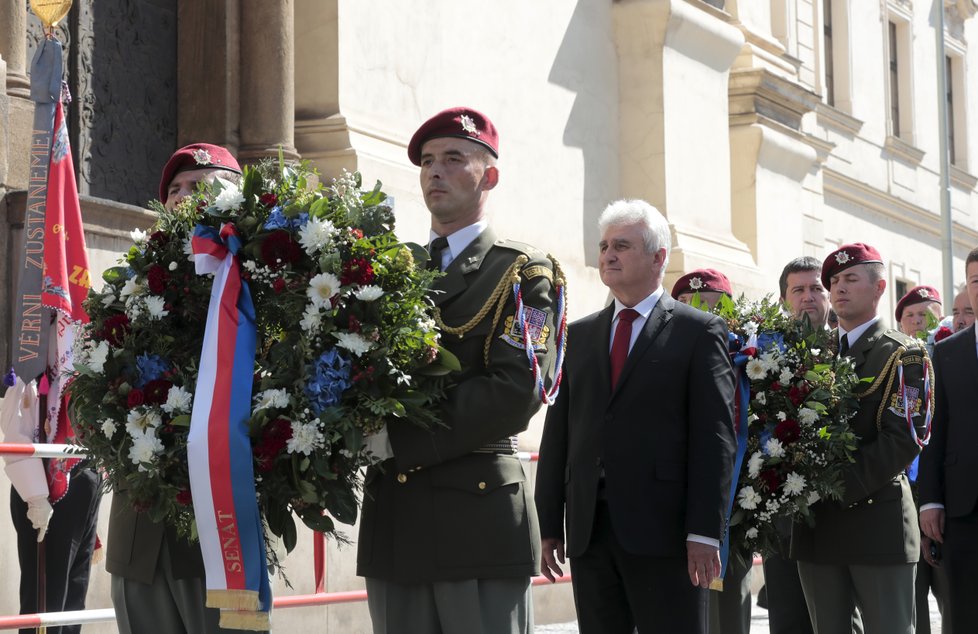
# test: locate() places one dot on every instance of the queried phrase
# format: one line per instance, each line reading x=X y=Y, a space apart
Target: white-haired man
x=638 y=451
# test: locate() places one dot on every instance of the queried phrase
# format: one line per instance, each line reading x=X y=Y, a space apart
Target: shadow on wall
x=587 y=64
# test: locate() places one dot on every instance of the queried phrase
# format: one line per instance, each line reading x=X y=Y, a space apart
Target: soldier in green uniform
x=864 y=549
x=448 y=535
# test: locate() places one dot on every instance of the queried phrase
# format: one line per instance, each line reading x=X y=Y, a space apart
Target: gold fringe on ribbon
x=717 y=584
x=244 y=620
x=243 y=600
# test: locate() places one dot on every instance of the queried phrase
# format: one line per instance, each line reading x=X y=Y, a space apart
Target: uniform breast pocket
x=481 y=516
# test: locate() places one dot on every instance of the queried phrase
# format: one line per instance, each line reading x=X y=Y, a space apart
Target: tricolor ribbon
x=222 y=479
x=739 y=356
x=547 y=396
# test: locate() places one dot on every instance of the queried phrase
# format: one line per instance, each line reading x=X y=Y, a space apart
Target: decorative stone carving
x=964 y=9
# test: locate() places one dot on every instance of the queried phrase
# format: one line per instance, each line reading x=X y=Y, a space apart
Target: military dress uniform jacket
x=134 y=543
x=876 y=521
x=440 y=510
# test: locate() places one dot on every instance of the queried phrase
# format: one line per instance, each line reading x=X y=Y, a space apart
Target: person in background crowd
x=448 y=535
x=860 y=552
x=962 y=313
x=915 y=309
x=709 y=283
x=948 y=481
x=158 y=577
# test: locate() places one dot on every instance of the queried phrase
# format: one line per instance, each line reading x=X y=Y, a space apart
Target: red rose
x=942 y=333
x=771 y=478
x=356 y=233
x=797 y=394
x=157 y=277
x=268 y=199
x=279 y=249
x=353 y=324
x=155 y=392
x=775 y=387
x=788 y=431
x=135 y=398
x=184 y=497
x=275 y=436
x=159 y=238
x=357 y=271
x=115 y=328
x=278 y=285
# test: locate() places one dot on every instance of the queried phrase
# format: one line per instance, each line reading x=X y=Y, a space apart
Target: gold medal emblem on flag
x=50 y=12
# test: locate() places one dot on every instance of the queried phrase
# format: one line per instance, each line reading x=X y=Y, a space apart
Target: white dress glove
x=39 y=512
x=378 y=445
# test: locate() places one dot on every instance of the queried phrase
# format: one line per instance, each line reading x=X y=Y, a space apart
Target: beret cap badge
x=202 y=157
x=695 y=283
x=841 y=257
x=469 y=125
x=923 y=292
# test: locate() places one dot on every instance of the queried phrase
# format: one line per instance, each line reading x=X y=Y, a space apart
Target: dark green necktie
x=844 y=346
x=435 y=250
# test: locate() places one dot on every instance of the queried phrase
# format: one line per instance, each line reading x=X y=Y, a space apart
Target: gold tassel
x=246 y=600
x=243 y=620
x=717 y=584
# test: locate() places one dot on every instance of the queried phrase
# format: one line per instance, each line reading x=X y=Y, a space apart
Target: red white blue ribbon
x=928 y=395
x=547 y=396
x=222 y=478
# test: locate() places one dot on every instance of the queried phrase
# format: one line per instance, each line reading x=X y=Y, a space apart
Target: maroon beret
x=196 y=156
x=846 y=256
x=702 y=280
x=461 y=123
x=917 y=295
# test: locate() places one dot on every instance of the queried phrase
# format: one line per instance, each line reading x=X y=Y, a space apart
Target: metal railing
x=102 y=615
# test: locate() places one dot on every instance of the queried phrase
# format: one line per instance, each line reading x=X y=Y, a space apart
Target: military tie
x=435 y=250
x=619 y=347
x=844 y=346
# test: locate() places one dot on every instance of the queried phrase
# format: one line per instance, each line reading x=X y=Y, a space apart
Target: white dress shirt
x=644 y=308
x=856 y=332
x=458 y=241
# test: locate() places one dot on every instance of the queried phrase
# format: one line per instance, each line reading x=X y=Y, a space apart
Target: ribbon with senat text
x=739 y=355
x=222 y=479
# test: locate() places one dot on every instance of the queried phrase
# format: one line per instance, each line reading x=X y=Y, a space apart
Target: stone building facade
x=763 y=129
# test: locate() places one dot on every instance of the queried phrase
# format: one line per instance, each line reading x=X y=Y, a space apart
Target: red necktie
x=619 y=347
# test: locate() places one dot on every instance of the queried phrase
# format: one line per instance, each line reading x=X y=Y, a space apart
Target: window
x=900 y=287
x=828 y=53
x=894 y=81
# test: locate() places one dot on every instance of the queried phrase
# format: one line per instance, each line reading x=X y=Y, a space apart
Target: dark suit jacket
x=876 y=521
x=949 y=464
x=437 y=511
x=664 y=435
x=134 y=542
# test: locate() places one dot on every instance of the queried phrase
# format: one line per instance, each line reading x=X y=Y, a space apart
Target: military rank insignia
x=912 y=398
x=539 y=332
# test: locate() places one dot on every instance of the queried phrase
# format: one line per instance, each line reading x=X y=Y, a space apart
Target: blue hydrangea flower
x=149 y=367
x=278 y=220
x=766 y=340
x=329 y=378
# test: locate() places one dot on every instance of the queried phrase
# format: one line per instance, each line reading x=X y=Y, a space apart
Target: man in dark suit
x=637 y=453
x=448 y=534
x=948 y=478
x=862 y=551
x=158 y=577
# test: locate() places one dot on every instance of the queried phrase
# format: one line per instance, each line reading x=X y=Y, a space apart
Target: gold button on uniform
x=482 y=486
x=401 y=478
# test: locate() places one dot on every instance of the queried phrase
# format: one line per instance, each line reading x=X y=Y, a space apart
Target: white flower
x=774 y=448
x=154 y=306
x=97 y=356
x=230 y=197
x=770 y=360
x=139 y=420
x=315 y=235
x=755 y=463
x=772 y=505
x=369 y=293
x=172 y=266
x=751 y=533
x=813 y=497
x=108 y=299
x=310 y=319
x=321 y=288
x=761 y=398
x=748 y=498
x=781 y=416
x=306 y=438
x=177 y=400
x=807 y=416
x=137 y=235
x=786 y=376
x=108 y=427
x=756 y=369
x=131 y=287
x=271 y=398
x=352 y=342
x=145 y=447
x=794 y=484
x=750 y=328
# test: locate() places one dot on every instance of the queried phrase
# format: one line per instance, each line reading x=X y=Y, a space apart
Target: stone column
x=13 y=46
x=267 y=79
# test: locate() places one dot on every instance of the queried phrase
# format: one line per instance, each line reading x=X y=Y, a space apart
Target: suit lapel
x=865 y=343
x=470 y=259
x=659 y=317
x=599 y=356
